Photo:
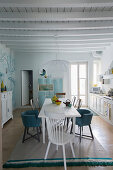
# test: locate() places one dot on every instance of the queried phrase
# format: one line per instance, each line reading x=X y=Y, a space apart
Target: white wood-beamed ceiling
x=56 y=25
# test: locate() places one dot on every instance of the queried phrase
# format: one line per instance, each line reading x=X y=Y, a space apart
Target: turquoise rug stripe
x=56 y=159
x=48 y=164
x=58 y=162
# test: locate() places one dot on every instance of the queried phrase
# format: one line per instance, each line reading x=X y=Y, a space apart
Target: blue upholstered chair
x=30 y=119
x=84 y=120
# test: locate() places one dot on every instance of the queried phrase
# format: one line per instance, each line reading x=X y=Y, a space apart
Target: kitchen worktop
x=103 y=96
x=99 y=94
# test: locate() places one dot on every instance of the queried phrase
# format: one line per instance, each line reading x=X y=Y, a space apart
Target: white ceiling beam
x=56 y=51
x=56 y=33
x=56 y=26
x=56 y=16
x=58 y=46
x=58 y=39
x=53 y=51
x=76 y=43
x=55 y=3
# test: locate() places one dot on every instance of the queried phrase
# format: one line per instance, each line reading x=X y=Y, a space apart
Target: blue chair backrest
x=83 y=111
x=86 y=119
x=30 y=118
x=86 y=116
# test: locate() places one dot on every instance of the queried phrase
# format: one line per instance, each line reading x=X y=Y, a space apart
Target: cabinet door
x=4 y=108
x=58 y=85
x=102 y=106
x=49 y=94
x=49 y=81
x=112 y=113
x=91 y=100
x=107 y=109
x=41 y=98
x=9 y=104
x=98 y=104
x=41 y=81
x=95 y=102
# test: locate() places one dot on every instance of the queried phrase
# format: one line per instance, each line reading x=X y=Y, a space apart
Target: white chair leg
x=72 y=149
x=47 y=150
x=64 y=155
x=57 y=147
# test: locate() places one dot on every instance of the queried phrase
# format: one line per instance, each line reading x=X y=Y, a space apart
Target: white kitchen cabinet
x=108 y=109
x=4 y=107
x=6 y=104
x=98 y=104
x=102 y=106
x=91 y=100
x=95 y=102
x=9 y=104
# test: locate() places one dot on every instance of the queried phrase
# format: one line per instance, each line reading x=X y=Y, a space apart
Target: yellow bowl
x=58 y=103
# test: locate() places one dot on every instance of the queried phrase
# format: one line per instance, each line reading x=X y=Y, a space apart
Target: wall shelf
x=109 y=76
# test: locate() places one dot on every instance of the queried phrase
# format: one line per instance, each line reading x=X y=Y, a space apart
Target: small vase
x=2 y=86
x=5 y=89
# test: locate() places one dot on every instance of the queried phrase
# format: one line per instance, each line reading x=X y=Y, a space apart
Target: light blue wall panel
x=49 y=81
x=41 y=98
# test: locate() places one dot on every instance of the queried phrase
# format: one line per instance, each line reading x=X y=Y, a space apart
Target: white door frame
x=78 y=63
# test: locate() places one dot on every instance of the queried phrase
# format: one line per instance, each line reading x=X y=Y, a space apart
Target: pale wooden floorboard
x=13 y=129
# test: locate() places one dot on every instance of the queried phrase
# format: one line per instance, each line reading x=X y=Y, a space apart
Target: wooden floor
x=13 y=129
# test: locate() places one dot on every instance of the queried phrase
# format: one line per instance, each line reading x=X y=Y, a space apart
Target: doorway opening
x=27 y=87
x=79 y=82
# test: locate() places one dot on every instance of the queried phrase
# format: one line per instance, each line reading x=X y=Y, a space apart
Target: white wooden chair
x=33 y=104
x=78 y=103
x=57 y=133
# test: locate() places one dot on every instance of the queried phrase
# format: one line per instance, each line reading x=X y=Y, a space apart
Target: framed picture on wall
x=45 y=87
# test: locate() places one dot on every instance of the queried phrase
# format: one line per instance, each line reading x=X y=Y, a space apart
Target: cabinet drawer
x=4 y=96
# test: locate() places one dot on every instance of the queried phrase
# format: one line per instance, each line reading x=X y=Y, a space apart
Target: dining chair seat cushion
x=30 y=118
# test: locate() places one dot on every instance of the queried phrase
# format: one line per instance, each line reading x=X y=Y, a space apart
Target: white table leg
x=43 y=129
x=74 y=119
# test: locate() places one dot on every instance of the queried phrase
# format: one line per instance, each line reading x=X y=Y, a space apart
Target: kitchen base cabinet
x=108 y=110
x=6 y=106
x=102 y=106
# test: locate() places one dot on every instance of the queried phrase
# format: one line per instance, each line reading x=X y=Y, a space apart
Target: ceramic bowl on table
x=58 y=102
